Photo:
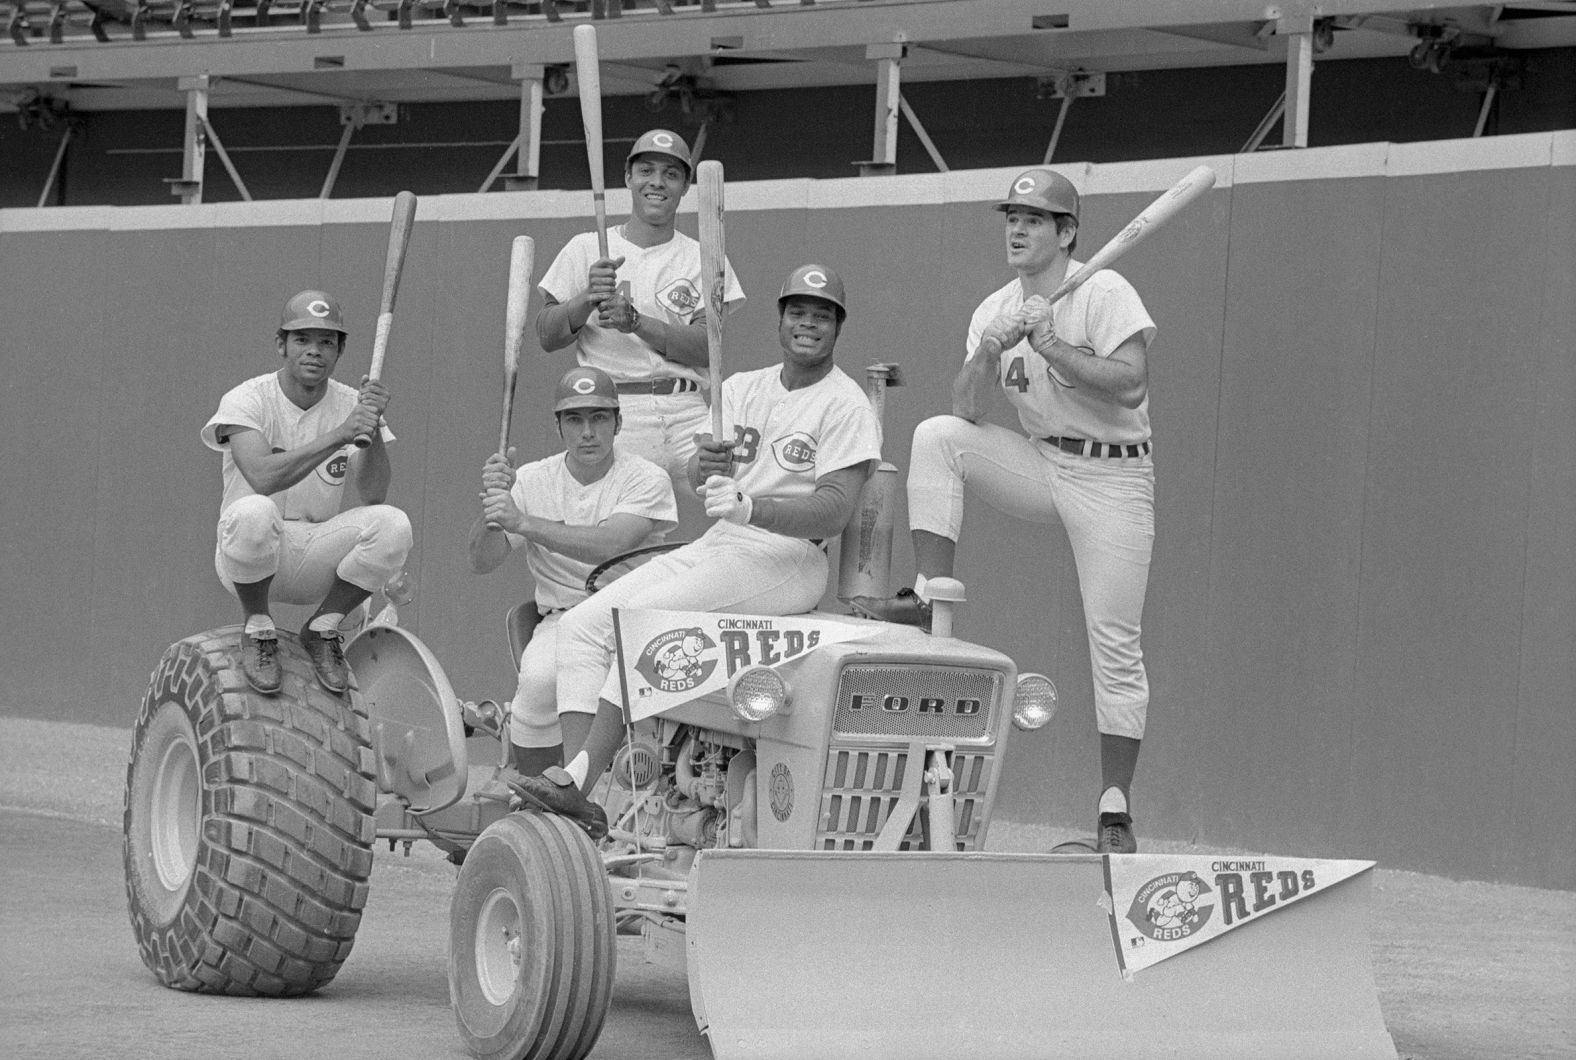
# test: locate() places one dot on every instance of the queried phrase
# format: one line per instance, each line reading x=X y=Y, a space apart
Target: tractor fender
x=417 y=735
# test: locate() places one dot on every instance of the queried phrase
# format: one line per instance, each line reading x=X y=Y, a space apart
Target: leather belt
x=1085 y=447
x=667 y=385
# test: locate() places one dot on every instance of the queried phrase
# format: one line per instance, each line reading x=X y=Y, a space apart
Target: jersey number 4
x=1016 y=377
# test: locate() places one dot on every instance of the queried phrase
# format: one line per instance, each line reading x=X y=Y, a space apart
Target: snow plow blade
x=915 y=955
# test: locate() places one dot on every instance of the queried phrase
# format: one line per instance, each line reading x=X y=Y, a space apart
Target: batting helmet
x=585 y=388
x=815 y=281
x=1042 y=189
x=312 y=309
x=662 y=142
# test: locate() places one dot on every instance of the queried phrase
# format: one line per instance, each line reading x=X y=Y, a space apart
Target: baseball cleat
x=260 y=662
x=328 y=660
x=906 y=608
x=555 y=791
x=1115 y=835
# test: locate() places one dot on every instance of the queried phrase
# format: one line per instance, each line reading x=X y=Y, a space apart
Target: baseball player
x=639 y=314
x=1077 y=374
x=568 y=512
x=287 y=442
x=804 y=440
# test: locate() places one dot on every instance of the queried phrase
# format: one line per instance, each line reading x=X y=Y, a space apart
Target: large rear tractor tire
x=531 y=941
x=248 y=825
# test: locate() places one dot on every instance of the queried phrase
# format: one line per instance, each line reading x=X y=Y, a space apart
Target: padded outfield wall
x=1361 y=625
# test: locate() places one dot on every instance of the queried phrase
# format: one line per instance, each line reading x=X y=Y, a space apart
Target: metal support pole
x=924 y=137
x=1056 y=132
x=503 y=160
x=889 y=73
x=700 y=142
x=339 y=159
x=1483 y=112
x=60 y=155
x=224 y=156
x=1266 y=123
x=1299 y=81
x=189 y=186
x=528 y=154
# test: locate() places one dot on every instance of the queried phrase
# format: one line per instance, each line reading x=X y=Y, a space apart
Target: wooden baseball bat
x=588 y=76
x=1151 y=217
x=522 y=257
x=393 y=265
x=714 y=279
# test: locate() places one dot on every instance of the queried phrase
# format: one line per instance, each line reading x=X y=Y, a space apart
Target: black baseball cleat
x=260 y=661
x=1115 y=835
x=328 y=660
x=555 y=791
x=906 y=608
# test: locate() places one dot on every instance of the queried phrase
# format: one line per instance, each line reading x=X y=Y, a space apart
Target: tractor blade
x=913 y=955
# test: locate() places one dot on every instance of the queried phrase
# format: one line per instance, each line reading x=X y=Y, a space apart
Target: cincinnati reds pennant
x=666 y=658
x=1166 y=904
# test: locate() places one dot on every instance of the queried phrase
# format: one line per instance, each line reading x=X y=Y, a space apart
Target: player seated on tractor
x=801 y=440
x=568 y=513
x=290 y=442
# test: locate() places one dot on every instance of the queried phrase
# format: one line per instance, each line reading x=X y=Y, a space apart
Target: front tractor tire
x=248 y=824
x=531 y=941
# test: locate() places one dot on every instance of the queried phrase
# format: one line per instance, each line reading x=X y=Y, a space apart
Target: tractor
x=806 y=843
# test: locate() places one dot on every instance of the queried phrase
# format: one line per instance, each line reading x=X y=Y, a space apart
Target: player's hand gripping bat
x=394 y=264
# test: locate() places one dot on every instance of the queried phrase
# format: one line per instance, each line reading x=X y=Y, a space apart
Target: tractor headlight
x=757 y=692
x=1034 y=703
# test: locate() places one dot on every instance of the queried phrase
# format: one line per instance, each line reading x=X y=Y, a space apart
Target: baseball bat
x=714 y=279
x=393 y=264
x=588 y=76
x=522 y=257
x=1151 y=217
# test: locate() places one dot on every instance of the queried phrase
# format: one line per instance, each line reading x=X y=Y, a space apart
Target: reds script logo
x=1171 y=907
x=678 y=660
x=332 y=470
x=681 y=297
x=795 y=452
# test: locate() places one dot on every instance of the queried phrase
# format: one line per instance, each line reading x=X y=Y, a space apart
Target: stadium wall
x=1361 y=624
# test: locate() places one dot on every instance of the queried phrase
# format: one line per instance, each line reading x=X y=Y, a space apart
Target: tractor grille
x=863 y=786
x=916 y=701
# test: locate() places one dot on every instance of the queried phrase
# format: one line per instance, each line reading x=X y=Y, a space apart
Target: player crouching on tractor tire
x=288 y=439
x=569 y=512
x=804 y=439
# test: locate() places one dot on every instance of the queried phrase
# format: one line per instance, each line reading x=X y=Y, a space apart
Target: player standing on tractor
x=804 y=440
x=1078 y=376
x=288 y=439
x=569 y=512
x=638 y=314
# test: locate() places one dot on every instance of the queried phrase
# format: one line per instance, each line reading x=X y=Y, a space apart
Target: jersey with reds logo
x=1097 y=317
x=664 y=284
x=786 y=439
x=261 y=405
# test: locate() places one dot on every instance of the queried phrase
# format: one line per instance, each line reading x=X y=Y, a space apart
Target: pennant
x=1165 y=904
x=670 y=657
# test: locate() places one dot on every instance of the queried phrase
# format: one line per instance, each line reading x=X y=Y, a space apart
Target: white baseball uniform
x=664 y=284
x=546 y=489
x=787 y=439
x=299 y=536
x=1104 y=500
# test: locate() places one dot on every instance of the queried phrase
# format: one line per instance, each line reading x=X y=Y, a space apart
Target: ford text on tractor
x=802 y=830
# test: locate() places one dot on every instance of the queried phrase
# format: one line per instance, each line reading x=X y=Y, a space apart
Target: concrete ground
x=1465 y=970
